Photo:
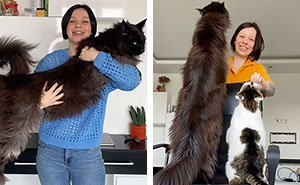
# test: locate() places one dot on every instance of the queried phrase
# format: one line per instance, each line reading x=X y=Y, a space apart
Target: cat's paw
x=235 y=181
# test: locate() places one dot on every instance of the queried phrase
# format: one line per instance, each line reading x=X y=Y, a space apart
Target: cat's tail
x=255 y=157
x=3 y=179
x=178 y=172
x=193 y=154
x=254 y=180
x=15 y=53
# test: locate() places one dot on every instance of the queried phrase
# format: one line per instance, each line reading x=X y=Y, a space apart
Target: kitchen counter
x=123 y=157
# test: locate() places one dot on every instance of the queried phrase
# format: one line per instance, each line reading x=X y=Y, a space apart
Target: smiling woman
x=247 y=44
x=69 y=148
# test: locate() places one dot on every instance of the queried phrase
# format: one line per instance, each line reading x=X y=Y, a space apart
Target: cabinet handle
x=119 y=163
x=24 y=164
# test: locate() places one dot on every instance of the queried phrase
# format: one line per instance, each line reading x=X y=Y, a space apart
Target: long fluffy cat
x=246 y=138
x=197 y=126
x=20 y=92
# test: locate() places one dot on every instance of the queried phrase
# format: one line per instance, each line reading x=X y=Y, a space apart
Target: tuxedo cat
x=20 y=92
x=197 y=126
x=246 y=138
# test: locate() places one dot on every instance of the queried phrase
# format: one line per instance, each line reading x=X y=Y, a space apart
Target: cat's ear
x=202 y=11
x=223 y=4
x=239 y=97
x=124 y=27
x=259 y=97
x=141 y=24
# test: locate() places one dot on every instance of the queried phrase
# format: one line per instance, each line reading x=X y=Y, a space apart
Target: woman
x=247 y=44
x=69 y=149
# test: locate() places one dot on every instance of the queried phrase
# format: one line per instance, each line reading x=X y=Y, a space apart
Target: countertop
x=125 y=157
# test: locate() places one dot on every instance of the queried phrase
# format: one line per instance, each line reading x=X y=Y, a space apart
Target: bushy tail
x=179 y=171
x=255 y=157
x=191 y=155
x=3 y=179
x=15 y=53
x=252 y=180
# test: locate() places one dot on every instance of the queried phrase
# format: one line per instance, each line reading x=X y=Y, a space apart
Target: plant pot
x=138 y=131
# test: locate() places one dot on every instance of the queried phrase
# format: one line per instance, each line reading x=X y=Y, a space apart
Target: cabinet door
x=130 y=179
x=159 y=107
x=20 y=179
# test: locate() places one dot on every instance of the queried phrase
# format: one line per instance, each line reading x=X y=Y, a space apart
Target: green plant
x=138 y=116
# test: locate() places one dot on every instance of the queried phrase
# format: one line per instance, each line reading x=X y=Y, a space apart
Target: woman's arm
x=267 y=87
x=270 y=91
x=125 y=77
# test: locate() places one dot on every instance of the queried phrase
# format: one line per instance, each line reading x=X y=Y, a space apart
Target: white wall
x=117 y=117
x=172 y=87
x=285 y=104
x=46 y=32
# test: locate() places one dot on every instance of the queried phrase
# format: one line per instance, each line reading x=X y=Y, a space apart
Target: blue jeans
x=59 y=166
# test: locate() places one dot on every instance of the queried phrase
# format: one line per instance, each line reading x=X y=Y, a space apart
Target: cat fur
x=197 y=126
x=20 y=92
x=246 y=138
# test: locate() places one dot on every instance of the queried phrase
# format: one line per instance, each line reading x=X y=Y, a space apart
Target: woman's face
x=79 y=26
x=245 y=41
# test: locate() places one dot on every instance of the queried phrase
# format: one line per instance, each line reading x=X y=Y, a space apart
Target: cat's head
x=134 y=36
x=249 y=135
x=250 y=95
x=214 y=7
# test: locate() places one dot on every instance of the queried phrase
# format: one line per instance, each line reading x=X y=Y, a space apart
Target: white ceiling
x=174 y=23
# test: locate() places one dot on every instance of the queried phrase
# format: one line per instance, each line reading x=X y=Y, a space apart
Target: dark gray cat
x=20 y=92
x=197 y=126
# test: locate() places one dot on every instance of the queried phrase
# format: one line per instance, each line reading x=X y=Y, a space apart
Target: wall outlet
x=281 y=120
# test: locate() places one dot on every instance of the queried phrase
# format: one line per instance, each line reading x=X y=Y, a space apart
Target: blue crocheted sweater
x=85 y=130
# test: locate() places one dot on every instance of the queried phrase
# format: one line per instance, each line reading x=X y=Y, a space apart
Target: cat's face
x=250 y=95
x=214 y=7
x=250 y=92
x=134 y=36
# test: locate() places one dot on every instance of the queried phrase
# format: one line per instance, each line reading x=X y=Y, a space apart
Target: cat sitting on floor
x=246 y=139
x=20 y=92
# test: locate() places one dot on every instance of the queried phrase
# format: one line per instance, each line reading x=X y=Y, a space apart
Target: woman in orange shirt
x=247 y=44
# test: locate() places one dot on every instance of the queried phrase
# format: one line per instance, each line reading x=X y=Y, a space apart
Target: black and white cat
x=246 y=138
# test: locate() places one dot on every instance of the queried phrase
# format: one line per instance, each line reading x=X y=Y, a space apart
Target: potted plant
x=138 y=125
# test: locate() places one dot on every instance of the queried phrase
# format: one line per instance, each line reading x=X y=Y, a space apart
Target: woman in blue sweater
x=69 y=149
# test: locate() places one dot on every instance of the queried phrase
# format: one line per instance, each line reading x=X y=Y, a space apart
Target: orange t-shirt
x=245 y=72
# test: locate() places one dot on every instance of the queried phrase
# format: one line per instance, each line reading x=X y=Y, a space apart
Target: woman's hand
x=257 y=78
x=267 y=87
x=51 y=96
x=88 y=54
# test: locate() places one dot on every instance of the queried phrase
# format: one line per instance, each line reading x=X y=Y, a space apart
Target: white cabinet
x=169 y=120
x=22 y=179
x=161 y=135
x=159 y=107
x=161 y=123
x=118 y=179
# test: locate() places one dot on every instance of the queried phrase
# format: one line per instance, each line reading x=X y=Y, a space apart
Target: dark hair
x=68 y=14
x=259 y=41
